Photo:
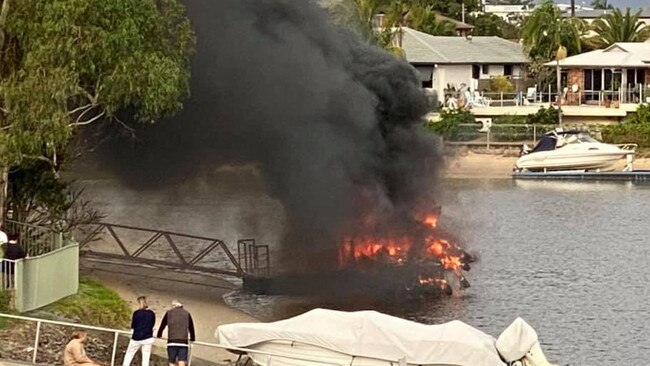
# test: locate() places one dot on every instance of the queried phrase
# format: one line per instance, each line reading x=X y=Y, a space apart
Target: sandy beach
x=497 y=164
x=201 y=295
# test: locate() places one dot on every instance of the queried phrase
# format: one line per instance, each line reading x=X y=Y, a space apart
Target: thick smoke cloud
x=332 y=125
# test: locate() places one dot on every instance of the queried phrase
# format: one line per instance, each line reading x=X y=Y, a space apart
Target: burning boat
x=369 y=338
x=414 y=260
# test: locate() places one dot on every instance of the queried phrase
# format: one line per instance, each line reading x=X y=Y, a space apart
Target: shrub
x=500 y=84
x=635 y=128
x=449 y=124
x=510 y=119
x=544 y=116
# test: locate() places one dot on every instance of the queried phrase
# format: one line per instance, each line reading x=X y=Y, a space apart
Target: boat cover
x=374 y=335
x=516 y=340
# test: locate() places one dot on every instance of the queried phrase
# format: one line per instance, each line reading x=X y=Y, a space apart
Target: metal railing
x=223 y=261
x=601 y=98
x=36 y=240
x=254 y=258
x=8 y=275
x=491 y=134
x=118 y=332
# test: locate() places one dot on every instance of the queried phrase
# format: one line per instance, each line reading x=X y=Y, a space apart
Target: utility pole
x=573 y=8
x=462 y=12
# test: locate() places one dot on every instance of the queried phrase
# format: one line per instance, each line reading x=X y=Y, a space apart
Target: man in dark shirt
x=13 y=252
x=180 y=324
x=142 y=323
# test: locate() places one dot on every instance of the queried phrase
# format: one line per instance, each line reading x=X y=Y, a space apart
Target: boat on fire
x=561 y=150
x=370 y=338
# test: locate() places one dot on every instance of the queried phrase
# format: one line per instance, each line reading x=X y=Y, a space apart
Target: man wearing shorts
x=180 y=325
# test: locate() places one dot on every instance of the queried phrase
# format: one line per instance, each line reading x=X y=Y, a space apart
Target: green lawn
x=94 y=304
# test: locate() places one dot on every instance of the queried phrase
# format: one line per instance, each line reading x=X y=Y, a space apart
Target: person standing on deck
x=142 y=323
x=180 y=325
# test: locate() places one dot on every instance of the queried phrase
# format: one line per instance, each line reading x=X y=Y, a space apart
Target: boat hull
x=562 y=161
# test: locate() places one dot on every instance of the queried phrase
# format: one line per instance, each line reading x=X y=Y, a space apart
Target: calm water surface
x=571 y=258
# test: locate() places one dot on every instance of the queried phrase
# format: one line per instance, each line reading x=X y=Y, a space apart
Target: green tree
x=71 y=63
x=547 y=30
x=618 y=27
x=486 y=24
x=360 y=16
x=601 y=4
x=425 y=19
x=548 y=35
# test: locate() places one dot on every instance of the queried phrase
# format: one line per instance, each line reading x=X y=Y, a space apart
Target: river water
x=568 y=257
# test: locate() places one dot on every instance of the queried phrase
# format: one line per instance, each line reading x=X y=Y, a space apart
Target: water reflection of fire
x=436 y=258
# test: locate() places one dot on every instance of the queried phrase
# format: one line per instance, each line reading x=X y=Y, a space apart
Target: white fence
x=7 y=275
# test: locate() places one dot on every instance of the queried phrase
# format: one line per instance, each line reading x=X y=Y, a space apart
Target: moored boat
x=561 y=150
x=369 y=338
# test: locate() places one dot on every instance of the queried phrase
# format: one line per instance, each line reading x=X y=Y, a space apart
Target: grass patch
x=94 y=304
x=5 y=301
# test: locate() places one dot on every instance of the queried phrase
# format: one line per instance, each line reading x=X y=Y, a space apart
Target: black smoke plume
x=332 y=124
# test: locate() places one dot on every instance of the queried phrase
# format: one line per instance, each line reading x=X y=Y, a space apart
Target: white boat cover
x=516 y=340
x=373 y=335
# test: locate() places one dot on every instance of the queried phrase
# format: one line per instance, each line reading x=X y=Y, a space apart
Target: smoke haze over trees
x=332 y=124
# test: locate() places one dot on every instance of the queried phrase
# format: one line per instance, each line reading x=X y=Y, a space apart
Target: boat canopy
x=546 y=143
x=373 y=335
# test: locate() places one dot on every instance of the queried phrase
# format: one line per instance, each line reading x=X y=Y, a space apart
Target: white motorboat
x=369 y=338
x=572 y=150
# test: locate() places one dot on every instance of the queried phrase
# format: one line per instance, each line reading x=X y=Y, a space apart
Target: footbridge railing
x=174 y=249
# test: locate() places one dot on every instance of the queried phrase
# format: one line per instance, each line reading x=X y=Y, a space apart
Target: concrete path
x=200 y=294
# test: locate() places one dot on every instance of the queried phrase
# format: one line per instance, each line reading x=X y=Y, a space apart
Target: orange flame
x=432 y=221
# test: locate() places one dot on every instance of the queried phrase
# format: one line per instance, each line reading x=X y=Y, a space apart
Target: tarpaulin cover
x=516 y=340
x=372 y=334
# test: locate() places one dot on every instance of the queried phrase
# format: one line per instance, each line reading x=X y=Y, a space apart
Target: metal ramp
x=175 y=250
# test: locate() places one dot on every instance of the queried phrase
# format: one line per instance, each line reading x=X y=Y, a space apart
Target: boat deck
x=635 y=175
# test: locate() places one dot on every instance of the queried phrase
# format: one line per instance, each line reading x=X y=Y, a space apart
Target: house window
x=476 y=72
x=507 y=70
x=486 y=69
x=612 y=79
x=635 y=76
x=592 y=83
x=640 y=76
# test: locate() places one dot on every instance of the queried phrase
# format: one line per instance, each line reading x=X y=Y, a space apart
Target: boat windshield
x=579 y=139
x=547 y=143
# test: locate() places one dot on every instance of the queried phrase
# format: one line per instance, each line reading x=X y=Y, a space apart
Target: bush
x=500 y=84
x=544 y=116
x=510 y=120
x=635 y=128
x=449 y=125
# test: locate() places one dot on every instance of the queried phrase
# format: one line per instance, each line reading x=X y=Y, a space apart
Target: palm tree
x=425 y=19
x=618 y=27
x=361 y=16
x=548 y=35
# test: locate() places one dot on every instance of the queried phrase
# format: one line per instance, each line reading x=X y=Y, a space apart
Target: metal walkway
x=176 y=250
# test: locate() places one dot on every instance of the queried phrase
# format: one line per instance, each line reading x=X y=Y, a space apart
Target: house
x=590 y=15
x=447 y=62
x=510 y=13
x=618 y=72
